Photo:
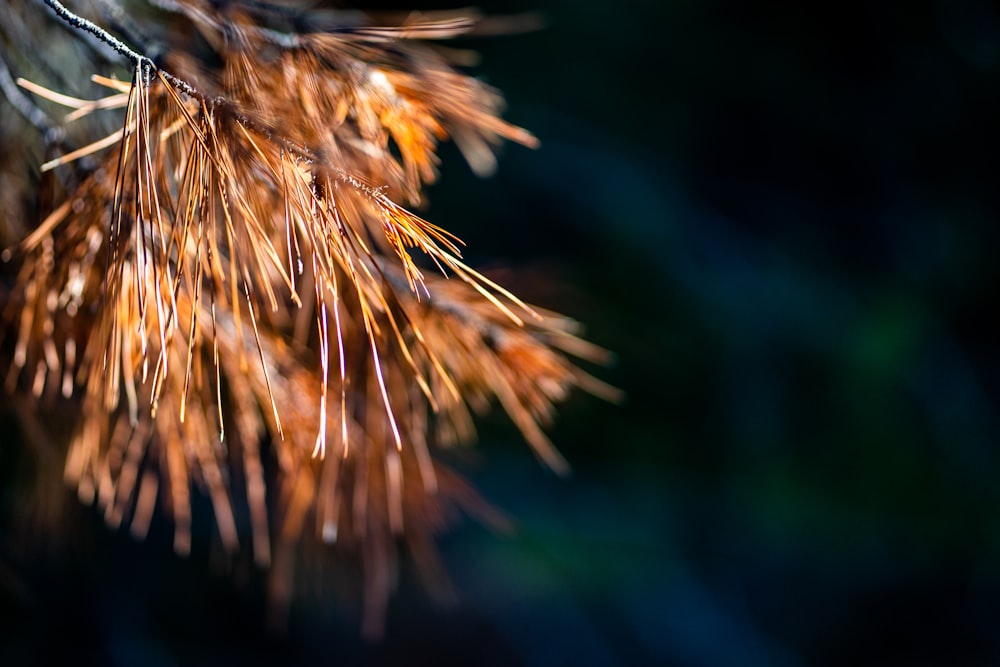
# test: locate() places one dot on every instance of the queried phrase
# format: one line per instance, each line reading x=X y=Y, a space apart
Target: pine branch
x=238 y=280
x=79 y=23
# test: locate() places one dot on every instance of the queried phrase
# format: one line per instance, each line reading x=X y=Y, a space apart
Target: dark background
x=784 y=221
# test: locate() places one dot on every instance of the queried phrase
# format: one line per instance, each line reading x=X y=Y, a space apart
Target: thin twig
x=121 y=22
x=141 y=61
x=80 y=23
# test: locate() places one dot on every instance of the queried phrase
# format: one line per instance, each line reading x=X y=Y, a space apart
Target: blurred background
x=783 y=219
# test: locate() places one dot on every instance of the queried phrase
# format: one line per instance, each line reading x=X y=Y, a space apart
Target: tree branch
x=38 y=118
x=142 y=62
x=80 y=23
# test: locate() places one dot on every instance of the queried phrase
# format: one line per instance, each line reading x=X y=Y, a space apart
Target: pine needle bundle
x=229 y=285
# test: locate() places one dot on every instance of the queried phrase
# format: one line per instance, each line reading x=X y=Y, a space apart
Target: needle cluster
x=230 y=291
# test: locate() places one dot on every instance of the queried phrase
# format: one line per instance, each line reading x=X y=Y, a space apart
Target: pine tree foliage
x=216 y=272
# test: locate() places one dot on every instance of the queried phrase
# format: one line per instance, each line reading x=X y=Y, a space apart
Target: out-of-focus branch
x=38 y=118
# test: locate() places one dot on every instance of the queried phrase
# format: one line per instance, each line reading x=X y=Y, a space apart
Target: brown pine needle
x=89 y=149
x=248 y=252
